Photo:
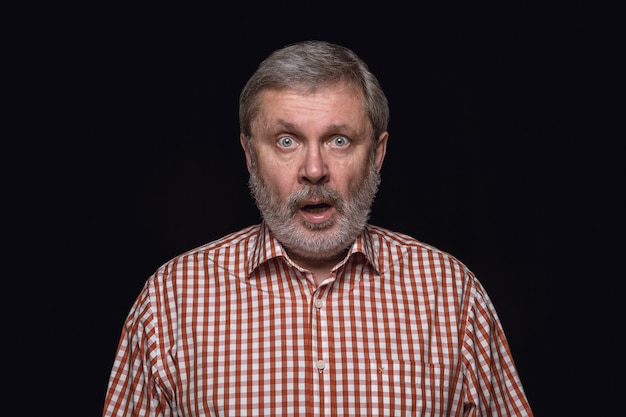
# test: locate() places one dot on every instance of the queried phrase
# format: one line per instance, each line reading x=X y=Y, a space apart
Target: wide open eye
x=286 y=141
x=340 y=141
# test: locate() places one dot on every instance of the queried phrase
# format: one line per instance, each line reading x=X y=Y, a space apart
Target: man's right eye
x=286 y=141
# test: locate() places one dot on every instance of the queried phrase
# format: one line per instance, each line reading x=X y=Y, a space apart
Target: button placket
x=319 y=329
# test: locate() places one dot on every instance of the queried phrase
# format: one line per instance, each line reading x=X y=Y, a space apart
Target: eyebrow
x=331 y=128
x=285 y=125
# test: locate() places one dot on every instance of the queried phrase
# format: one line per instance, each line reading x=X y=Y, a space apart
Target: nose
x=314 y=169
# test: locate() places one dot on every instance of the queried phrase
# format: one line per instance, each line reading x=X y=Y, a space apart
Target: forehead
x=335 y=104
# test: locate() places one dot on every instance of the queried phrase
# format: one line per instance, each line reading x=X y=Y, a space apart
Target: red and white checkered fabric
x=235 y=328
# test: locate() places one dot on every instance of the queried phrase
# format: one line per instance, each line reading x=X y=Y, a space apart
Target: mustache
x=317 y=193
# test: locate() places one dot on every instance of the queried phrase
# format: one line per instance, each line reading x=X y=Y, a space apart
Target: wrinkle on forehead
x=265 y=121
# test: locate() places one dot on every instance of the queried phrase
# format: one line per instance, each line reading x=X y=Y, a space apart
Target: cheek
x=279 y=180
x=350 y=176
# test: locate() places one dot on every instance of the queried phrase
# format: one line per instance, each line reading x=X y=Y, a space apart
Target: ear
x=381 y=150
x=244 y=144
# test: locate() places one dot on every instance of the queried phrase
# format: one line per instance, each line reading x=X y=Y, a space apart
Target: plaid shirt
x=236 y=328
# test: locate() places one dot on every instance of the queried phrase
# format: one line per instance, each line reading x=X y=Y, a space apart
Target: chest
x=392 y=349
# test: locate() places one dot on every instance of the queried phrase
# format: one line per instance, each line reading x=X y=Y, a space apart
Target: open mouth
x=316 y=208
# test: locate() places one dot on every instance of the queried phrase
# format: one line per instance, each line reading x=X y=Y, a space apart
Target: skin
x=300 y=140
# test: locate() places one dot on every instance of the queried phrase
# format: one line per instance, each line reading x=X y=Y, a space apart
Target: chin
x=318 y=227
x=320 y=242
x=328 y=253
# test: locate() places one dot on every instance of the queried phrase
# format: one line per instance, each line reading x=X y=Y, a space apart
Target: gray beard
x=315 y=241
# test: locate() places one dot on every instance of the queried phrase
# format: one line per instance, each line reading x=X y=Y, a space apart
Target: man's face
x=314 y=168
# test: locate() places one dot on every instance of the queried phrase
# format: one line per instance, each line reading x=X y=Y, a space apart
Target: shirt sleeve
x=492 y=385
x=136 y=385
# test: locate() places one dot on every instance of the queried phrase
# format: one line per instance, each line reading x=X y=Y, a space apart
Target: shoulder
x=398 y=251
x=411 y=263
x=402 y=243
x=198 y=270
x=233 y=240
x=213 y=259
x=228 y=245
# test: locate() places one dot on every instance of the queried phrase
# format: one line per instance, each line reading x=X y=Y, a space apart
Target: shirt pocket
x=410 y=388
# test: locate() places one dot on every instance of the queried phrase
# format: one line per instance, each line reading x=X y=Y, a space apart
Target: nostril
x=313 y=180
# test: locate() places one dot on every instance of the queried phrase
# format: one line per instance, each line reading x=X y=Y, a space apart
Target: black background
x=502 y=152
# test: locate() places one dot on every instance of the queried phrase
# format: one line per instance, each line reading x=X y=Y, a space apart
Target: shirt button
x=319 y=303
x=320 y=365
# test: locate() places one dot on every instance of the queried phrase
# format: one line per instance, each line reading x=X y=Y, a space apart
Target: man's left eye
x=340 y=141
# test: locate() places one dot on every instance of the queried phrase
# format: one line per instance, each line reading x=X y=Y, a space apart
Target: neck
x=319 y=267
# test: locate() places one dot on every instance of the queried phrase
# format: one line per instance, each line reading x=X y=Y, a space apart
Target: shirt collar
x=364 y=244
x=267 y=247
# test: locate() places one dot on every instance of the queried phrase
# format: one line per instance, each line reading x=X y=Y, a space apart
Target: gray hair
x=308 y=66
